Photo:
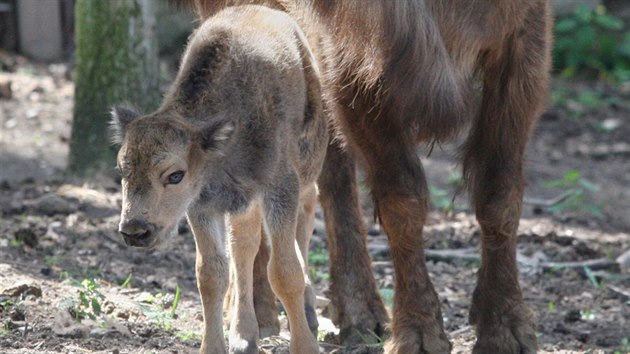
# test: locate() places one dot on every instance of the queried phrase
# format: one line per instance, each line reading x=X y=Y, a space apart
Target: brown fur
x=239 y=140
x=401 y=72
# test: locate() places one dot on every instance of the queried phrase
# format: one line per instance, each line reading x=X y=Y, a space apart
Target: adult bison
x=397 y=73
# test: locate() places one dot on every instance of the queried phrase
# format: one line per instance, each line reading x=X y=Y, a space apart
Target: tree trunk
x=116 y=61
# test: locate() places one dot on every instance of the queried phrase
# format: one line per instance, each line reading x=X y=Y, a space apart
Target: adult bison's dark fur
x=403 y=72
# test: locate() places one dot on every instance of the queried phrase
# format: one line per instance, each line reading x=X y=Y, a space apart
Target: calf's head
x=162 y=160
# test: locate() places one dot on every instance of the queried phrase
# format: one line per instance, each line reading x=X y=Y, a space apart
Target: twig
x=603 y=150
x=464 y=254
x=624 y=259
x=593 y=264
x=470 y=254
x=457 y=332
x=447 y=255
x=546 y=203
x=625 y=295
x=330 y=345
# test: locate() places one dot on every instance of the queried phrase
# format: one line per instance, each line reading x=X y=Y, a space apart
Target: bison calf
x=240 y=138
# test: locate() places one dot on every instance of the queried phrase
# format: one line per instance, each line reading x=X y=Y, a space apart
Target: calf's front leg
x=212 y=274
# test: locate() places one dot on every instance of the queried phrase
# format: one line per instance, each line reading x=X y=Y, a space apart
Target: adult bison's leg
x=353 y=292
x=515 y=88
x=401 y=197
x=399 y=189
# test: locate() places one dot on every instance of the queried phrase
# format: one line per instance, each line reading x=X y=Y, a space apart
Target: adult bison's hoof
x=416 y=341
x=510 y=333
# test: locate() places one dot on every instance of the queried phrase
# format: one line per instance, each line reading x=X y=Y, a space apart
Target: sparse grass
x=158 y=311
x=580 y=192
x=127 y=282
x=592 y=278
x=187 y=336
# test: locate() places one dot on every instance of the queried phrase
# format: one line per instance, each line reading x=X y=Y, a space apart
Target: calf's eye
x=175 y=177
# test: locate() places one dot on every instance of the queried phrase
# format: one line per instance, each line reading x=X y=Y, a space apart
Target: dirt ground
x=62 y=259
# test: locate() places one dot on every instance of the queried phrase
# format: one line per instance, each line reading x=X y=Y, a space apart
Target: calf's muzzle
x=136 y=232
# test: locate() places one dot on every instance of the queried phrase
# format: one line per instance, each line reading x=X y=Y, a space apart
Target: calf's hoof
x=243 y=346
x=414 y=341
x=509 y=333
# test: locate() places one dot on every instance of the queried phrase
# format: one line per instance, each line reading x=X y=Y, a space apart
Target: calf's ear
x=216 y=136
x=121 y=117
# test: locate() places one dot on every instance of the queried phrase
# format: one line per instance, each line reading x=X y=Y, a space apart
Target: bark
x=116 y=61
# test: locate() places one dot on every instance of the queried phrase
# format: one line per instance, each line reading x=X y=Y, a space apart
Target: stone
x=52 y=204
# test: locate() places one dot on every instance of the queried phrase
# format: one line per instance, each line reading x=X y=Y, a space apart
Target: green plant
x=388 y=297
x=578 y=191
x=186 y=336
x=624 y=347
x=455 y=180
x=318 y=257
x=587 y=315
x=316 y=275
x=158 y=310
x=551 y=306
x=6 y=304
x=591 y=40
x=127 y=282
x=88 y=300
x=440 y=199
x=15 y=243
x=592 y=278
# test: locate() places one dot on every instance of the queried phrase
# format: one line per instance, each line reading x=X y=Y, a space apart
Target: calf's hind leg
x=244 y=244
x=285 y=269
x=264 y=298
x=306 y=219
x=515 y=86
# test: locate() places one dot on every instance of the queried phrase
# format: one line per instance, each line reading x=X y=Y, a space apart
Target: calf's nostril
x=138 y=236
x=135 y=229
